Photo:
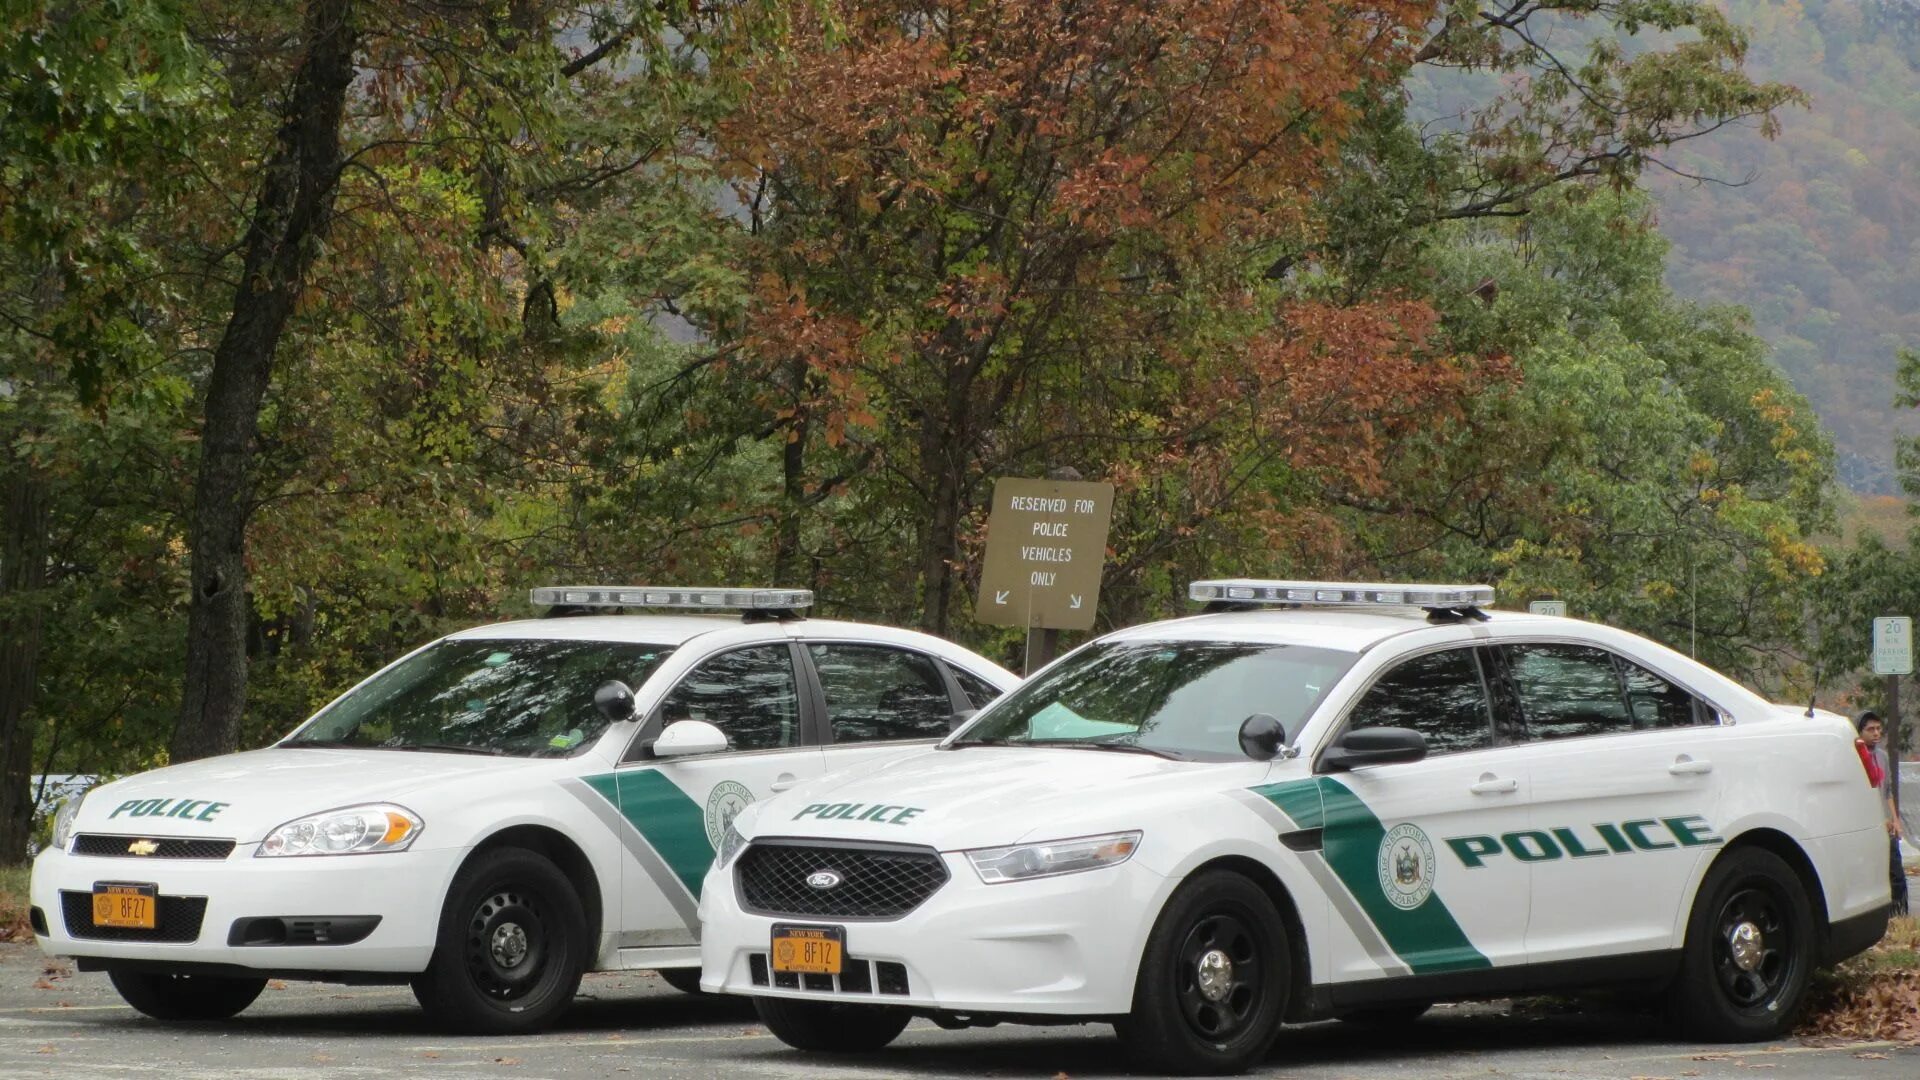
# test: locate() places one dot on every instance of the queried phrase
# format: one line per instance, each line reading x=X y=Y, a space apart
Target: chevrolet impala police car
x=492 y=814
x=1317 y=800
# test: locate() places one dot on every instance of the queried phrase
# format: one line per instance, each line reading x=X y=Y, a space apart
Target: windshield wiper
x=447 y=747
x=1090 y=744
x=964 y=743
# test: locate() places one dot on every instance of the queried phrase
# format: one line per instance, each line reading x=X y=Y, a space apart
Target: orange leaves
x=1118 y=116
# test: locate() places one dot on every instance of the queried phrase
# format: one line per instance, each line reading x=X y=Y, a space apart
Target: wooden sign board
x=1046 y=545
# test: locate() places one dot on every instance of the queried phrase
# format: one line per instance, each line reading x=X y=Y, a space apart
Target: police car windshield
x=1183 y=699
x=504 y=697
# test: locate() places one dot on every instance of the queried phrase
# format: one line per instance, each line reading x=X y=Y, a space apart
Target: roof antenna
x=1815 y=696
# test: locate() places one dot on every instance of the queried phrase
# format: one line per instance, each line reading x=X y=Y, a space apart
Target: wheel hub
x=508 y=945
x=1747 y=945
x=1214 y=975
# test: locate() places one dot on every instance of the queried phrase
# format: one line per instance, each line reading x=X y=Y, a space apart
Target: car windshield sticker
x=567 y=740
x=724 y=802
x=496 y=659
x=1424 y=934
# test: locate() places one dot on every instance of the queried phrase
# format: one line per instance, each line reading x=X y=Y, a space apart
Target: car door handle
x=784 y=781
x=1686 y=766
x=1490 y=784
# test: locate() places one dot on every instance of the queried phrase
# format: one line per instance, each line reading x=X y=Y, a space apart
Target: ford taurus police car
x=491 y=815
x=1318 y=800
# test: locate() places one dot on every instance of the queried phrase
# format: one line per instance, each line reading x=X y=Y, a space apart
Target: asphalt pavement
x=55 y=1023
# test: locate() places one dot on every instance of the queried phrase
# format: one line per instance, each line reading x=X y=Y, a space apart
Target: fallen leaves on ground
x=1875 y=995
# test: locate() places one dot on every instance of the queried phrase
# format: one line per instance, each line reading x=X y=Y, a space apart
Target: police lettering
x=840 y=811
x=1605 y=838
x=187 y=809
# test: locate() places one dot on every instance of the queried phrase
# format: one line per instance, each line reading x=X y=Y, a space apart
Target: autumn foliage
x=997 y=238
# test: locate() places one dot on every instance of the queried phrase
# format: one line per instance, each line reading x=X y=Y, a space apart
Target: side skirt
x=1596 y=973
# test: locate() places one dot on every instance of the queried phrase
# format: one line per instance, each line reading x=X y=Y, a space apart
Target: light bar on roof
x=658 y=596
x=1336 y=593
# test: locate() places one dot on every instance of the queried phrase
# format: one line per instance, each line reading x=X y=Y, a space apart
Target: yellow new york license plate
x=808 y=950
x=123 y=905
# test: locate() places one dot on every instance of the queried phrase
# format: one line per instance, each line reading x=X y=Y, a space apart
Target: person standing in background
x=1873 y=732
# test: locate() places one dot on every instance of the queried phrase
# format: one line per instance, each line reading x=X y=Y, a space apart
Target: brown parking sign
x=1046 y=545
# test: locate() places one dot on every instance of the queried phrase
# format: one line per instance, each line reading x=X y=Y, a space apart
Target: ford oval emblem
x=824 y=879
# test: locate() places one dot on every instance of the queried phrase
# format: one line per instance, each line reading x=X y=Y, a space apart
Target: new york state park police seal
x=725 y=801
x=1406 y=866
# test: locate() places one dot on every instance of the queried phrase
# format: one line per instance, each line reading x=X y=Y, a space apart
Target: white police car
x=493 y=814
x=1341 y=805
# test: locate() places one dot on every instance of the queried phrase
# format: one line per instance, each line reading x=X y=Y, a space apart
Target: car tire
x=829 y=1027
x=165 y=996
x=511 y=948
x=1213 y=980
x=1386 y=1016
x=685 y=980
x=1749 y=952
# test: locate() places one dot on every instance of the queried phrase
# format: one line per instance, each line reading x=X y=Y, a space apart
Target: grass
x=13 y=902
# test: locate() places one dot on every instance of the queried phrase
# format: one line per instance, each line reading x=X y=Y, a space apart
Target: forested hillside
x=1823 y=245
x=329 y=327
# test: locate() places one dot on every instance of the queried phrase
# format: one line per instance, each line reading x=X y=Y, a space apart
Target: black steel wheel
x=512 y=946
x=167 y=996
x=1749 y=952
x=831 y=1027
x=685 y=980
x=1213 y=979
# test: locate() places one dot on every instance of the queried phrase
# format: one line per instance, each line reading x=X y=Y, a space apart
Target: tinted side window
x=979 y=691
x=1656 y=702
x=1440 y=695
x=1567 y=690
x=748 y=693
x=875 y=692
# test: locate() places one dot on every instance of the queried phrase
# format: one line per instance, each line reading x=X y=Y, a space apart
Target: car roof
x=1350 y=629
x=676 y=630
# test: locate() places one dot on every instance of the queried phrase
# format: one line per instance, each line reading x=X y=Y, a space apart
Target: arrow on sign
x=1001 y=596
x=1073 y=601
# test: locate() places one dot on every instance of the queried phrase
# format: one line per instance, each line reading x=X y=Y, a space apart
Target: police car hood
x=242 y=796
x=978 y=796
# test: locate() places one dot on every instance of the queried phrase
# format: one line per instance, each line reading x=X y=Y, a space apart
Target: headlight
x=996 y=865
x=355 y=830
x=63 y=820
x=730 y=845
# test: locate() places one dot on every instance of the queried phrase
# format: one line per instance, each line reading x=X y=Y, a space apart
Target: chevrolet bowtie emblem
x=142 y=847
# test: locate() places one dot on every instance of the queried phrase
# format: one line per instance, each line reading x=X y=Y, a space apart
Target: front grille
x=176 y=919
x=856 y=976
x=877 y=881
x=107 y=845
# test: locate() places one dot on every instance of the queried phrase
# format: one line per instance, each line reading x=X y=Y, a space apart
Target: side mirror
x=614 y=700
x=1374 y=746
x=955 y=721
x=1262 y=736
x=683 y=737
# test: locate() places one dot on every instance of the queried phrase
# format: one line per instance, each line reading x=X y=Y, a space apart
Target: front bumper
x=1063 y=946
x=403 y=889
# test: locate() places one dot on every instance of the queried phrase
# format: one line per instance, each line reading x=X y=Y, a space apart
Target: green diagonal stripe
x=1298 y=799
x=672 y=824
x=1427 y=937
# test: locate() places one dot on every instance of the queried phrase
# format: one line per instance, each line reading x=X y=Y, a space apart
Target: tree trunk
x=290 y=219
x=23 y=568
x=943 y=461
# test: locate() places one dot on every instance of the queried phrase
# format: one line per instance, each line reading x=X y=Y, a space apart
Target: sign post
x=1046 y=546
x=1893 y=657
